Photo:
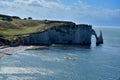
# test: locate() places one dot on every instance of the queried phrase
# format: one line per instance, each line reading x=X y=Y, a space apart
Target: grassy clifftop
x=17 y=27
x=9 y=29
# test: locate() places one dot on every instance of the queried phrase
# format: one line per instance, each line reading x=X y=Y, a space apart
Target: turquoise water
x=67 y=62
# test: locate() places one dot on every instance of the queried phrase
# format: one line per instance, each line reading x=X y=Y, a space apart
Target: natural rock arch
x=99 y=39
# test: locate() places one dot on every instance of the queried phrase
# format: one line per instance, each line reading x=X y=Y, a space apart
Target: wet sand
x=5 y=50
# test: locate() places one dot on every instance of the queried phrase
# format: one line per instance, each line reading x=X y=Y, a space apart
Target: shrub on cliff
x=9 y=19
x=25 y=18
x=30 y=18
x=16 y=17
x=5 y=17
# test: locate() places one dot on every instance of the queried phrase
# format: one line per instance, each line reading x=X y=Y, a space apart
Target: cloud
x=33 y=3
x=41 y=3
x=82 y=5
x=43 y=8
x=57 y=9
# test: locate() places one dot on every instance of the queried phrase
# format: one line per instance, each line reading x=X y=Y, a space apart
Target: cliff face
x=67 y=34
x=13 y=31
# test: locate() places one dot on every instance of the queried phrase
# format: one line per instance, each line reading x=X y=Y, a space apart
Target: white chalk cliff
x=69 y=34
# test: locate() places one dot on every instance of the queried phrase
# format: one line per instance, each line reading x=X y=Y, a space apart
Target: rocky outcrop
x=70 y=33
x=99 y=39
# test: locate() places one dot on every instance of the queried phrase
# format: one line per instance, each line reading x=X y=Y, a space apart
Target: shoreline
x=6 y=50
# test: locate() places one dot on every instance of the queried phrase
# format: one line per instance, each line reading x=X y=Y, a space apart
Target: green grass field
x=9 y=29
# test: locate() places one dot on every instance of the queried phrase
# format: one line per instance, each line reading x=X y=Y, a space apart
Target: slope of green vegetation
x=9 y=29
x=17 y=27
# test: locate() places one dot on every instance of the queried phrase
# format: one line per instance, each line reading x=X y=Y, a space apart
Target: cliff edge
x=46 y=32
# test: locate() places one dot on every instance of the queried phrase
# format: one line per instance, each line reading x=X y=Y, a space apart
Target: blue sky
x=94 y=12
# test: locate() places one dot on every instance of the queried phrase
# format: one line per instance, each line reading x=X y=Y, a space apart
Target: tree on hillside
x=3 y=19
x=25 y=18
x=30 y=18
x=16 y=17
x=9 y=19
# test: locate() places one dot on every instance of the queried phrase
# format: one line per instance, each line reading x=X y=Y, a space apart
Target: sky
x=94 y=12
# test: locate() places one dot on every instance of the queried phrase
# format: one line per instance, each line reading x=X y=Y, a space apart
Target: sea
x=67 y=62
